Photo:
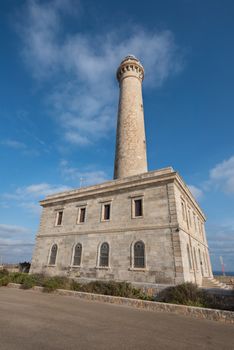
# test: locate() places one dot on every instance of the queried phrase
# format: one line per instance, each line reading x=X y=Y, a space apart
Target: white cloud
x=6 y=230
x=15 y=243
x=27 y=197
x=13 y=144
x=82 y=67
x=41 y=190
x=82 y=178
x=222 y=176
x=35 y=191
x=221 y=243
x=197 y=192
x=15 y=251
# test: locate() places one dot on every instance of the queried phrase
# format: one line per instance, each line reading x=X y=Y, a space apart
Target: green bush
x=17 y=277
x=4 y=272
x=185 y=294
x=39 y=278
x=75 y=286
x=28 y=282
x=52 y=283
x=4 y=280
x=189 y=294
x=121 y=289
x=219 y=301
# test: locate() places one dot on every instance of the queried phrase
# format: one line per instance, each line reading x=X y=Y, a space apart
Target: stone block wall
x=162 y=228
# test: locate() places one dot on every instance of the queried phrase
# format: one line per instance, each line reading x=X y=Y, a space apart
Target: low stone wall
x=195 y=312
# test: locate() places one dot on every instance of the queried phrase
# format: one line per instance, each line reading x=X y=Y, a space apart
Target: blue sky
x=59 y=102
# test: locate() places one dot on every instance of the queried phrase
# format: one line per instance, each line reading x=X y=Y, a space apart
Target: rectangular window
x=106 y=212
x=194 y=222
x=82 y=213
x=106 y=215
x=183 y=210
x=203 y=231
x=189 y=217
x=189 y=257
x=59 y=218
x=138 y=207
x=199 y=226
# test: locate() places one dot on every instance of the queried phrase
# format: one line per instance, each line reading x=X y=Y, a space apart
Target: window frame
x=132 y=257
x=189 y=257
x=73 y=255
x=189 y=217
x=99 y=266
x=136 y=264
x=56 y=256
x=195 y=258
x=183 y=209
x=195 y=222
x=79 y=215
x=134 y=199
x=109 y=203
x=58 y=212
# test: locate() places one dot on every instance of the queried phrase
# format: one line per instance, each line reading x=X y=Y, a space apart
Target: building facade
x=141 y=227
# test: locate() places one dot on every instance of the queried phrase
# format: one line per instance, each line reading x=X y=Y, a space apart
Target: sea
x=220 y=273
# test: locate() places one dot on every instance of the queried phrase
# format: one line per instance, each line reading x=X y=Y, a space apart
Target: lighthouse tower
x=130 y=154
x=142 y=227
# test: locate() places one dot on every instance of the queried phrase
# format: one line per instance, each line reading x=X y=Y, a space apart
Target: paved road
x=31 y=320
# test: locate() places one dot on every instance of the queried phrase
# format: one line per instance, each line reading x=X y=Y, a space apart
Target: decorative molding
x=112 y=230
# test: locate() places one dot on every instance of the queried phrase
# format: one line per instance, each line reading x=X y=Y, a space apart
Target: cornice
x=106 y=188
x=112 y=230
x=181 y=184
x=136 y=182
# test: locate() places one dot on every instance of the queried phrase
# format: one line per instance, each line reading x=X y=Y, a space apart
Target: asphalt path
x=31 y=320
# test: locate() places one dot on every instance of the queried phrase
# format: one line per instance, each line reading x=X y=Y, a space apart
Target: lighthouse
x=130 y=154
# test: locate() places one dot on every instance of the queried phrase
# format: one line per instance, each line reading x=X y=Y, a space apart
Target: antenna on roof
x=82 y=180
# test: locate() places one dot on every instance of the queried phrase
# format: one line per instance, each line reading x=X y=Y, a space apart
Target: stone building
x=140 y=227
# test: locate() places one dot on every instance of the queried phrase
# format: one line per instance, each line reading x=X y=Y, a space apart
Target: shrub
x=76 y=286
x=189 y=294
x=39 y=278
x=219 y=301
x=17 y=277
x=4 y=272
x=121 y=289
x=185 y=294
x=4 y=280
x=28 y=282
x=52 y=283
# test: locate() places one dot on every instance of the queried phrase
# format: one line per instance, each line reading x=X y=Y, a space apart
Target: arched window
x=139 y=254
x=53 y=254
x=77 y=255
x=104 y=254
x=189 y=257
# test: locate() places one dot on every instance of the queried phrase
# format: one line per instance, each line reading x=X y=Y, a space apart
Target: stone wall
x=161 y=228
